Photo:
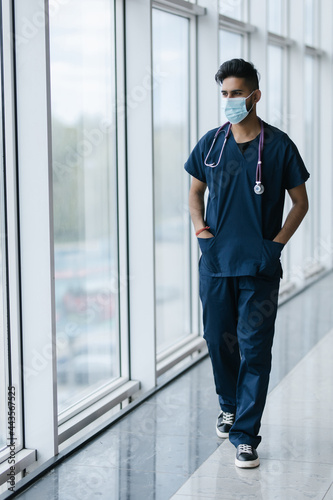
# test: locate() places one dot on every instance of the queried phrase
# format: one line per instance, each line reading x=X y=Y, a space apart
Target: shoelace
x=245 y=448
x=228 y=418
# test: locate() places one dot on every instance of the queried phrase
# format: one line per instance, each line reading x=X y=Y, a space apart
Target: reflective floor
x=296 y=453
x=167 y=447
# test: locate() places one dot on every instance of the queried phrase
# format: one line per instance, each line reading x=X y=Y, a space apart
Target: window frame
x=193 y=345
x=11 y=207
x=4 y=361
x=236 y=26
x=179 y=7
x=244 y=40
x=101 y=389
x=113 y=396
x=165 y=353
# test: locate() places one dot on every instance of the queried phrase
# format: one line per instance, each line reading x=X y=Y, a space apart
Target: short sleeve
x=295 y=172
x=195 y=164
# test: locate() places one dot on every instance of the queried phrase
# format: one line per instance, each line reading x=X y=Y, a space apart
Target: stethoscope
x=258 y=188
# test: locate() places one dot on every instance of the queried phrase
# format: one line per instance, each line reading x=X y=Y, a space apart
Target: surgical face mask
x=235 y=108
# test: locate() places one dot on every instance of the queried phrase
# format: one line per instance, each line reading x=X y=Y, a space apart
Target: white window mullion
x=124 y=276
x=139 y=83
x=35 y=174
x=193 y=110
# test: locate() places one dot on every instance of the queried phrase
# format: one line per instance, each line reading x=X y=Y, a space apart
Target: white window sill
x=23 y=459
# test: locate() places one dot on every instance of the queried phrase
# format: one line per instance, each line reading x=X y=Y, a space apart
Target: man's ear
x=257 y=96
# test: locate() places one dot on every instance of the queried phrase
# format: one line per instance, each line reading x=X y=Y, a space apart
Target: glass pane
x=275 y=17
x=309 y=21
x=85 y=197
x=3 y=287
x=275 y=86
x=232 y=8
x=171 y=184
x=231 y=45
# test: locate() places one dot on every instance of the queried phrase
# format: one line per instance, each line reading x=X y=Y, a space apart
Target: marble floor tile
x=274 y=479
x=197 y=496
x=329 y=494
x=143 y=452
x=64 y=483
x=303 y=413
x=194 y=388
x=289 y=486
x=297 y=443
x=86 y=483
x=169 y=419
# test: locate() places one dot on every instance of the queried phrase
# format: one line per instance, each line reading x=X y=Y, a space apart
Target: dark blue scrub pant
x=238 y=316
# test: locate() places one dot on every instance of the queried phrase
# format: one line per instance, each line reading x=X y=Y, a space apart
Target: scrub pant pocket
x=270 y=260
x=239 y=315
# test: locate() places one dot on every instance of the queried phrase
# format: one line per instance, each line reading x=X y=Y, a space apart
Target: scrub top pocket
x=270 y=261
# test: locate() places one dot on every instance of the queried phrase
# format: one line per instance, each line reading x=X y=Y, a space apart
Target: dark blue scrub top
x=242 y=222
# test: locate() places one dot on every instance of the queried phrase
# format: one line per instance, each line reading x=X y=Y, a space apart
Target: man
x=247 y=169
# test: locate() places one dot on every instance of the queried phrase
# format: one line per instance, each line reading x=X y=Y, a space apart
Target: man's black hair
x=239 y=69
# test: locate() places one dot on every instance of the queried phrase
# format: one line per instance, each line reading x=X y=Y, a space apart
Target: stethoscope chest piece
x=259 y=188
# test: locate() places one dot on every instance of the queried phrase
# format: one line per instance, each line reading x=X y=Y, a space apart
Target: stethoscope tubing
x=258 y=186
x=213 y=165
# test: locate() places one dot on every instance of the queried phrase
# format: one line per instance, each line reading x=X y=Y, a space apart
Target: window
x=275 y=86
x=234 y=33
x=275 y=18
x=309 y=22
x=231 y=45
x=234 y=8
x=171 y=183
x=85 y=198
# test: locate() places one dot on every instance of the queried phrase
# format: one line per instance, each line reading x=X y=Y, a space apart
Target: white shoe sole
x=243 y=464
x=222 y=435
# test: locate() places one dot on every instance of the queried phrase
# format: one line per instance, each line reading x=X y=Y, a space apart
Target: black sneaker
x=246 y=456
x=224 y=424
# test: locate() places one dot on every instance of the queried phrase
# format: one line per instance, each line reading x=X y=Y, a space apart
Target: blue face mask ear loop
x=213 y=165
